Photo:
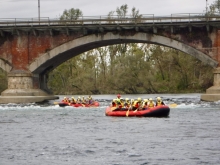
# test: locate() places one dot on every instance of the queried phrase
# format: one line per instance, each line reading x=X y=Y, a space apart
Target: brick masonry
x=19 y=51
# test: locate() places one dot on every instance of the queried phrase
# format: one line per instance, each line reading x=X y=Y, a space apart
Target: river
x=33 y=134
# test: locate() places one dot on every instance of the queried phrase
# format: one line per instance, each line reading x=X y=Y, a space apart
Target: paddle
x=127 y=113
x=113 y=108
x=173 y=105
x=60 y=103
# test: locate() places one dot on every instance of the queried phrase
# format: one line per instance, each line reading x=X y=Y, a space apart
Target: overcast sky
x=55 y=8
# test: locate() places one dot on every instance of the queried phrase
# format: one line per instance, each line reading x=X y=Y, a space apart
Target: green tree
x=215 y=6
x=122 y=13
x=135 y=14
x=213 y=9
x=71 y=14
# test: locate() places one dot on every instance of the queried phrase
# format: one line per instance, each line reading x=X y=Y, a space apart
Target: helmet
x=145 y=100
x=150 y=99
x=64 y=98
x=139 y=99
x=158 y=98
x=122 y=99
x=79 y=97
x=72 y=97
x=127 y=99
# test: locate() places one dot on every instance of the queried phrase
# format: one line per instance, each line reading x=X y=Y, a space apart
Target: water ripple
x=49 y=134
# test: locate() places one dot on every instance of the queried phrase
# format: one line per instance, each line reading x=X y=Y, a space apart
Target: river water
x=42 y=134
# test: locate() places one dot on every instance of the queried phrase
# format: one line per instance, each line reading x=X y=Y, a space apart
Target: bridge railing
x=22 y=21
x=147 y=18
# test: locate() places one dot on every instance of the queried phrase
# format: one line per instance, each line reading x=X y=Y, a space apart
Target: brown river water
x=42 y=134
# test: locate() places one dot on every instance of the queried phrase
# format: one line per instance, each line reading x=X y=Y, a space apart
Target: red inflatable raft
x=94 y=104
x=159 y=111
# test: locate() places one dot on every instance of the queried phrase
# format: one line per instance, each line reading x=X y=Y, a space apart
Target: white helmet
x=158 y=98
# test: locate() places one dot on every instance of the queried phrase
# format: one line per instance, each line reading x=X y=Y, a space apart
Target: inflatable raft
x=159 y=111
x=94 y=104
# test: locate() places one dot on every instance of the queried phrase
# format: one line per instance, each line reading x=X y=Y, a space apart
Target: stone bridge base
x=25 y=99
x=213 y=93
x=21 y=89
x=210 y=97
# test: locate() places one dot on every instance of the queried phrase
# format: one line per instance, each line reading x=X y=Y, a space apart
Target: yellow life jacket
x=127 y=103
x=136 y=103
x=118 y=101
x=150 y=104
x=159 y=103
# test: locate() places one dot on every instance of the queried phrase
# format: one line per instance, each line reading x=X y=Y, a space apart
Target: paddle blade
x=127 y=113
x=173 y=105
x=113 y=108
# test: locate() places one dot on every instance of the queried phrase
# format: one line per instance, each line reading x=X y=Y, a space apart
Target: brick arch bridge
x=28 y=54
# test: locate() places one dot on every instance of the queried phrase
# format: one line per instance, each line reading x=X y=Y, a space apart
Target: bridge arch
x=60 y=54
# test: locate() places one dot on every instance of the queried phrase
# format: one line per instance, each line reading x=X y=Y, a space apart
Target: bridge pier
x=23 y=88
x=213 y=93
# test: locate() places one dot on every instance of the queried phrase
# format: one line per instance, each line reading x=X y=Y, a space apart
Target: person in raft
x=83 y=100
x=79 y=100
x=66 y=100
x=159 y=101
x=90 y=99
x=73 y=101
x=137 y=104
x=118 y=99
x=127 y=103
x=114 y=103
x=122 y=103
x=144 y=104
x=151 y=103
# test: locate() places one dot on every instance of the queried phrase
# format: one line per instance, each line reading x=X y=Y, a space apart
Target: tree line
x=131 y=69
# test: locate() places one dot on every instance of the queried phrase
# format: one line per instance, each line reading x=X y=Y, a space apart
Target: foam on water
x=190 y=101
x=18 y=107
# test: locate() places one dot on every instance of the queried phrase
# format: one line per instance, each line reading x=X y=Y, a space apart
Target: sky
x=55 y=8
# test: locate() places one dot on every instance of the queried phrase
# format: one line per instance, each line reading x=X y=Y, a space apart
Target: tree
x=215 y=6
x=122 y=13
x=213 y=9
x=71 y=14
x=135 y=14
